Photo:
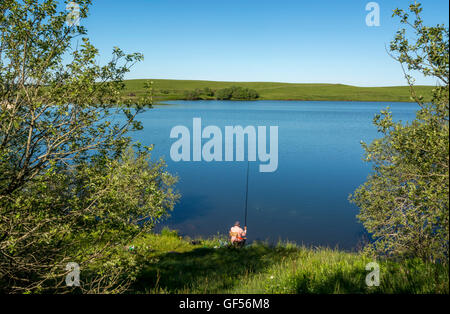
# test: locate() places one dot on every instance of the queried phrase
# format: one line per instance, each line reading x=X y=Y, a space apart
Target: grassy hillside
x=174 y=89
x=171 y=264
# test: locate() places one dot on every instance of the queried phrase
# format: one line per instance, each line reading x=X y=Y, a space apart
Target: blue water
x=305 y=200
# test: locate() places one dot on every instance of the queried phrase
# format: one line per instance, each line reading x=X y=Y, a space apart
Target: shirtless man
x=238 y=234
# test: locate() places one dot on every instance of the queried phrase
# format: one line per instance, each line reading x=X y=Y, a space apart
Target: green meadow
x=175 y=89
x=172 y=264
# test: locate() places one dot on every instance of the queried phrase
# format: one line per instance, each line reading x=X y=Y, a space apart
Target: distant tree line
x=230 y=93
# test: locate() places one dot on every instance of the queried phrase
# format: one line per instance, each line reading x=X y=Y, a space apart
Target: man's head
x=237 y=224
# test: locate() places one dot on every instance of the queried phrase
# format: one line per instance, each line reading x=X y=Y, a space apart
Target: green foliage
x=208 y=92
x=166 y=232
x=405 y=202
x=324 y=271
x=236 y=92
x=224 y=94
x=72 y=186
x=192 y=95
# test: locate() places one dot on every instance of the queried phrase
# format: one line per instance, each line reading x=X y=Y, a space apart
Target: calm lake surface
x=305 y=200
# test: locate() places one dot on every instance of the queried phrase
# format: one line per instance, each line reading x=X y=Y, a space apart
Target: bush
x=208 y=92
x=236 y=92
x=405 y=202
x=167 y=232
x=191 y=95
x=224 y=94
x=73 y=188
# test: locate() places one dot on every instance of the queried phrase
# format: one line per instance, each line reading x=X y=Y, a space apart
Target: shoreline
x=290 y=100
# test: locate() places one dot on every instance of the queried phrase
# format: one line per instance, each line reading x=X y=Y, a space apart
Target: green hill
x=175 y=90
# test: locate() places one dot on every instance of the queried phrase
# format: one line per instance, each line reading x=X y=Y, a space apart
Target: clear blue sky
x=256 y=40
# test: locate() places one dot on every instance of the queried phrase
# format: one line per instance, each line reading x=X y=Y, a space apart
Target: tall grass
x=171 y=264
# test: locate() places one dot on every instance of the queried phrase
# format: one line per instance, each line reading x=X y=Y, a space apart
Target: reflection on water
x=305 y=200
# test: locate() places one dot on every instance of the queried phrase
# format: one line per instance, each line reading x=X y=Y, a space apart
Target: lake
x=305 y=200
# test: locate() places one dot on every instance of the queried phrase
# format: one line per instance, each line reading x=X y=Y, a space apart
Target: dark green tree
x=224 y=94
x=208 y=92
x=236 y=92
x=191 y=95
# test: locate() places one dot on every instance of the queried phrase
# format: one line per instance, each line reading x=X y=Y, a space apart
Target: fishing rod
x=246 y=194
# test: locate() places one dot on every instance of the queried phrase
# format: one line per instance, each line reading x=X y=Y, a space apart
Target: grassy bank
x=175 y=90
x=171 y=264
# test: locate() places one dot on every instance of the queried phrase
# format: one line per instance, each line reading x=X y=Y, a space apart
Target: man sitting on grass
x=238 y=235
